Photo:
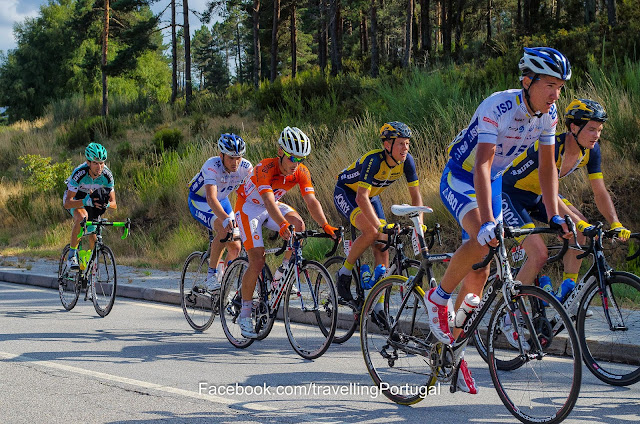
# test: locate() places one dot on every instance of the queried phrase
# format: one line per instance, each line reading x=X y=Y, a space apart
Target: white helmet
x=295 y=142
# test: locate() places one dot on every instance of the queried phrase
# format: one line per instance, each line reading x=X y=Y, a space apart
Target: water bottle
x=378 y=273
x=451 y=315
x=565 y=289
x=471 y=301
x=365 y=277
x=275 y=283
x=84 y=256
x=545 y=284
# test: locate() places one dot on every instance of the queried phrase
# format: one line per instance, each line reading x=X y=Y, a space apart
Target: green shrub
x=167 y=139
x=45 y=176
x=85 y=131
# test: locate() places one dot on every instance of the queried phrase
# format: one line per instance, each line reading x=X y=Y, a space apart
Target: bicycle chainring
x=441 y=361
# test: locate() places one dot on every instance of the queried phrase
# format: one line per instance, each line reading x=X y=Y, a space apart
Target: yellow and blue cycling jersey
x=372 y=172
x=522 y=174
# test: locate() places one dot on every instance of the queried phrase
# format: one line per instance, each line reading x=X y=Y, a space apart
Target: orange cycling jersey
x=267 y=177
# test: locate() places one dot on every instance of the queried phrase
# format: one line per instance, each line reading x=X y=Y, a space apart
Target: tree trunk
x=174 y=54
x=408 y=37
x=526 y=15
x=519 y=16
x=446 y=27
x=187 y=55
x=364 y=42
x=322 y=35
x=105 y=45
x=274 y=40
x=611 y=12
x=336 y=66
x=589 y=11
x=374 y=39
x=488 y=21
x=255 y=13
x=425 y=42
x=459 y=20
x=240 y=78
x=294 y=40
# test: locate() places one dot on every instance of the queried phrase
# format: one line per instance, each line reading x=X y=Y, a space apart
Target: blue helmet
x=545 y=61
x=394 y=129
x=232 y=145
x=95 y=152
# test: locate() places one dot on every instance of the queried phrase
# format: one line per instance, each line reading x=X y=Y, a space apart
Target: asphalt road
x=144 y=364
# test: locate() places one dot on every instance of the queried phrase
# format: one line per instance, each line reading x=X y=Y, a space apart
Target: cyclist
x=504 y=125
x=259 y=205
x=209 y=204
x=357 y=192
x=577 y=148
x=88 y=195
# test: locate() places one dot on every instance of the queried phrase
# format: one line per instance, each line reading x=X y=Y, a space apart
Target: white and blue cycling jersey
x=214 y=173
x=501 y=119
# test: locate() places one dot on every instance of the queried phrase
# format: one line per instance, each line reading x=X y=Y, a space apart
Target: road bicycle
x=200 y=304
x=349 y=312
x=406 y=361
x=97 y=274
x=305 y=289
x=605 y=307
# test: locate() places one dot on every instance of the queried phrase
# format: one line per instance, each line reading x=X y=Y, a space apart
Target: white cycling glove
x=487 y=233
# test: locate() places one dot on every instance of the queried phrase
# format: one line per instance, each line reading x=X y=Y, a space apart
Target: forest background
x=97 y=70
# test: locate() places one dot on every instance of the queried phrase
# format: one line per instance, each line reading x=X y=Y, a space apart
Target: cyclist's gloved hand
x=584 y=226
x=383 y=228
x=284 y=230
x=424 y=228
x=623 y=233
x=556 y=222
x=487 y=233
x=229 y=223
x=87 y=201
x=330 y=230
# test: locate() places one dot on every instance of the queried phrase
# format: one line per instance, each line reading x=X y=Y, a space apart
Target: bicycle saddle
x=405 y=209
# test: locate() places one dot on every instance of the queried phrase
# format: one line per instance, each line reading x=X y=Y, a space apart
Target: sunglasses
x=294 y=159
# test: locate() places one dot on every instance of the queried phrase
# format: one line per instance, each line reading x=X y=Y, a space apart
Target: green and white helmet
x=95 y=152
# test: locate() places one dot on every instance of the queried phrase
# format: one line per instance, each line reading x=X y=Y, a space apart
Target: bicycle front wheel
x=310 y=310
x=198 y=304
x=612 y=353
x=231 y=302
x=68 y=289
x=397 y=361
x=544 y=389
x=103 y=281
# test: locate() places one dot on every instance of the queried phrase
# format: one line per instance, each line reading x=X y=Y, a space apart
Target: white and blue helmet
x=545 y=61
x=232 y=145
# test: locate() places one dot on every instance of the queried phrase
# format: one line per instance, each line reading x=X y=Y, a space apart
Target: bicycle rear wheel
x=103 y=281
x=544 y=389
x=612 y=355
x=347 y=316
x=397 y=362
x=198 y=303
x=310 y=308
x=68 y=289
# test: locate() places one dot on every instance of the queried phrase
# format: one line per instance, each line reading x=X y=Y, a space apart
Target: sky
x=16 y=11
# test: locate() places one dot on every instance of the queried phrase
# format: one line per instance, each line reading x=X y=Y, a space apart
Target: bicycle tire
x=104 y=281
x=348 y=318
x=68 y=287
x=310 y=330
x=403 y=368
x=264 y=318
x=231 y=303
x=557 y=368
x=198 y=304
x=612 y=356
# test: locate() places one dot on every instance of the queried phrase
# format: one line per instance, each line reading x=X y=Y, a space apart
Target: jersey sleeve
x=594 y=164
x=548 y=135
x=263 y=175
x=209 y=172
x=410 y=171
x=109 y=176
x=304 y=180
x=487 y=120
x=370 y=167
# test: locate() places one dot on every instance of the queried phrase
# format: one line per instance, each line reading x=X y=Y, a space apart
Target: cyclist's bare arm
x=603 y=200
x=211 y=192
x=548 y=177
x=70 y=203
x=364 y=203
x=482 y=180
x=272 y=208
x=315 y=209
